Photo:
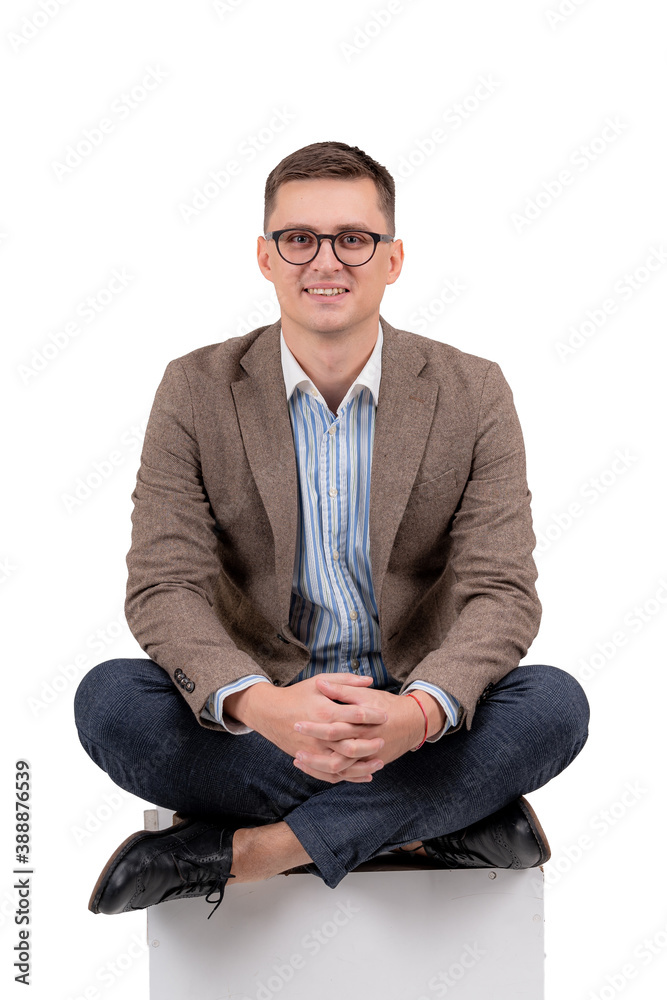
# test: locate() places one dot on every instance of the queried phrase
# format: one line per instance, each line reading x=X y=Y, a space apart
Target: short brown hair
x=331 y=159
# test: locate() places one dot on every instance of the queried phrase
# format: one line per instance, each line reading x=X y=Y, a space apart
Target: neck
x=332 y=359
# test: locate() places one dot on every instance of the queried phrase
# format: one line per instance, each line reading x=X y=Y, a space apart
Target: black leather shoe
x=192 y=858
x=509 y=838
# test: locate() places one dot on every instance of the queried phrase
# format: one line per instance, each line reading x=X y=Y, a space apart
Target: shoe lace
x=216 y=887
x=450 y=849
x=215 y=880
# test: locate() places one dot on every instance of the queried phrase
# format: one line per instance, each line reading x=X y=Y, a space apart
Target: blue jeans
x=137 y=727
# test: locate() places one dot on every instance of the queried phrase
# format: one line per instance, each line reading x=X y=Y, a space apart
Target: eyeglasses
x=300 y=246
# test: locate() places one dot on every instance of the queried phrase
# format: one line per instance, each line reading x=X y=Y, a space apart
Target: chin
x=324 y=322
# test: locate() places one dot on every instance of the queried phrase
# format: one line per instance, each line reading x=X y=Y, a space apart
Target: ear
x=396 y=258
x=263 y=258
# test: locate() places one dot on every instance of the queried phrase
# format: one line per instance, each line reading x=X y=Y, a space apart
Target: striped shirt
x=333 y=609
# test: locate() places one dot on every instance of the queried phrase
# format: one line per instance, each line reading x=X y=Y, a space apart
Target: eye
x=297 y=238
x=354 y=239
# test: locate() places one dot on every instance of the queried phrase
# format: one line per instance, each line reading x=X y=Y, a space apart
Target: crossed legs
x=135 y=725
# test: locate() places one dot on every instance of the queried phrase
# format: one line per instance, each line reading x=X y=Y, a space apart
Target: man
x=331 y=566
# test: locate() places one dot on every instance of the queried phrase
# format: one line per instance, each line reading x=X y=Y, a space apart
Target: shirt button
x=355 y=663
x=354 y=615
x=335 y=553
x=333 y=492
x=332 y=429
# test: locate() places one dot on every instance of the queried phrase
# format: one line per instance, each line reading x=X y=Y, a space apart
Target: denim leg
x=134 y=723
x=136 y=726
x=530 y=726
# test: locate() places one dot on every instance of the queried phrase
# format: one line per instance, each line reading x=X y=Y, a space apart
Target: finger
x=351 y=746
x=355 y=680
x=356 y=748
x=333 y=763
x=326 y=763
x=361 y=768
x=332 y=731
x=360 y=771
x=333 y=779
x=358 y=711
x=343 y=690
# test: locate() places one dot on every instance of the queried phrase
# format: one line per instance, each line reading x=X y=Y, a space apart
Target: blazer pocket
x=441 y=486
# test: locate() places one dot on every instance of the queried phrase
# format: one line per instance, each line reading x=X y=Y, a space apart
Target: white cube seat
x=391 y=930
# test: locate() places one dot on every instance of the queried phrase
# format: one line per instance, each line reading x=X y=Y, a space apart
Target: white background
x=219 y=76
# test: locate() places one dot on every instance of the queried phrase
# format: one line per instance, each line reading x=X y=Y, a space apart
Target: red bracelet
x=411 y=695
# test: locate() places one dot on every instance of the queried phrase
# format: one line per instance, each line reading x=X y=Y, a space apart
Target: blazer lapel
x=402 y=422
x=403 y=418
x=263 y=414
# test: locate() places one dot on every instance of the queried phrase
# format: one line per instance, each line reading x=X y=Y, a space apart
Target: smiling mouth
x=326 y=291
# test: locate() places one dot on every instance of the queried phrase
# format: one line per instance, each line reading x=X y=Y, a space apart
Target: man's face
x=329 y=205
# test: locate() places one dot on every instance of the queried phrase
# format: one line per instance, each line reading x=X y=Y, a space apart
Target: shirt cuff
x=450 y=704
x=214 y=707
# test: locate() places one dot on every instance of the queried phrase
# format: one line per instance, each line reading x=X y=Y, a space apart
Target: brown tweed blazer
x=215 y=520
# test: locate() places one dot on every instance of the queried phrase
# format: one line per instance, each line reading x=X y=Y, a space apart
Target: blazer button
x=485 y=692
x=276 y=682
x=190 y=686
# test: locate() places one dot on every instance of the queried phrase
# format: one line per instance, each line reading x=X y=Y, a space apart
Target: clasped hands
x=343 y=742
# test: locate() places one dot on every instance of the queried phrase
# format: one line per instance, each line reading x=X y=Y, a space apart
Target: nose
x=326 y=259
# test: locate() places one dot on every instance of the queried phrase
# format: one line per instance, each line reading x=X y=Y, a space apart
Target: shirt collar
x=369 y=376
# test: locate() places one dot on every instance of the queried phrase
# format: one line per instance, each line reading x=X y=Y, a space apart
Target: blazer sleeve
x=173 y=562
x=490 y=548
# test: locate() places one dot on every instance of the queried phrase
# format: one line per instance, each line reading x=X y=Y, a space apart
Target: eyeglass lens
x=299 y=246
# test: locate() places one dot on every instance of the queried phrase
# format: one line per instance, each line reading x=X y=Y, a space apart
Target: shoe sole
x=119 y=854
x=536 y=827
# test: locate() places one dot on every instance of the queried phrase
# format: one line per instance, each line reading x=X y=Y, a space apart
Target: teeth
x=326 y=291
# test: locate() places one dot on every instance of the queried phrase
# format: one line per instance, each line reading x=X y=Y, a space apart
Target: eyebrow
x=337 y=229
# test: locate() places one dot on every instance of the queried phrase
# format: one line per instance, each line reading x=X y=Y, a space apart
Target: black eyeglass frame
x=377 y=238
